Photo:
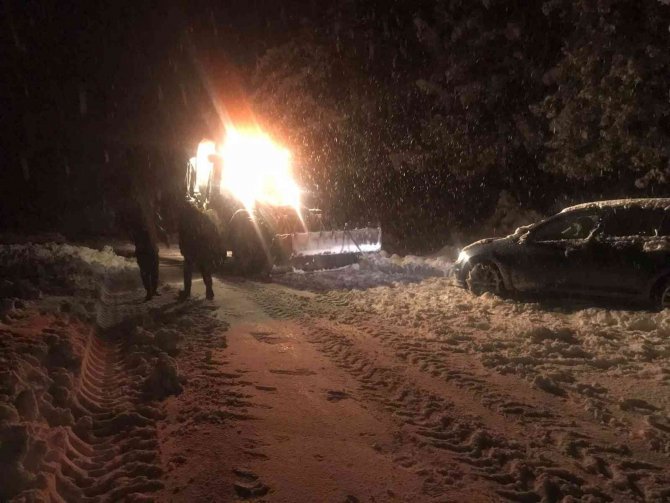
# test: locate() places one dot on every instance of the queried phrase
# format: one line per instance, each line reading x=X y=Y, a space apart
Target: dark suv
x=610 y=248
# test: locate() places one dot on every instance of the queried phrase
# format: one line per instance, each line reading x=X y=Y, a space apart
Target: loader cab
x=215 y=174
x=203 y=177
x=190 y=176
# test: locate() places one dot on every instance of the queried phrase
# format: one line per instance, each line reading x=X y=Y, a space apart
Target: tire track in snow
x=524 y=449
x=73 y=427
x=112 y=451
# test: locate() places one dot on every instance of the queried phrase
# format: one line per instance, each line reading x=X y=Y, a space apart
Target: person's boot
x=148 y=297
x=183 y=295
x=209 y=294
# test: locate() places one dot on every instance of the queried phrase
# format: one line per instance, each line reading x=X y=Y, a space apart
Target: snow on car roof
x=649 y=202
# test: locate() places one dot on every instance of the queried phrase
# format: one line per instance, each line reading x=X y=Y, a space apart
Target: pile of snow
x=410 y=265
x=372 y=270
x=62 y=269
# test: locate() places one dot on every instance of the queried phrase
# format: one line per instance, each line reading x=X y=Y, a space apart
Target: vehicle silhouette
x=616 y=249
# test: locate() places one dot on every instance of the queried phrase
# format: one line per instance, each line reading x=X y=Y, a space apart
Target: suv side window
x=573 y=225
x=633 y=221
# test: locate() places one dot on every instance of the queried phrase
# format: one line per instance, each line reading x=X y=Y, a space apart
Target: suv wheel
x=663 y=295
x=485 y=277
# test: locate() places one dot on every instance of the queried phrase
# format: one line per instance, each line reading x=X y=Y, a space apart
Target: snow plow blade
x=327 y=249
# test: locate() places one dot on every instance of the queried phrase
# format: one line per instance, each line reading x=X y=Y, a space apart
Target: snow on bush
x=508 y=216
x=63 y=269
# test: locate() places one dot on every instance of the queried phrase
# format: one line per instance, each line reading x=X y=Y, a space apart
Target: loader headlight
x=256 y=169
x=463 y=257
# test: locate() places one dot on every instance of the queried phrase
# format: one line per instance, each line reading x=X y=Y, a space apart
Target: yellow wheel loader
x=246 y=187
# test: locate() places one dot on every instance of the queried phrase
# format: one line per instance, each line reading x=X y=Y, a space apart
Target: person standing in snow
x=143 y=224
x=199 y=243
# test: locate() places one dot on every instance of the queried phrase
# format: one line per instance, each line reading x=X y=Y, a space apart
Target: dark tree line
x=420 y=113
x=413 y=113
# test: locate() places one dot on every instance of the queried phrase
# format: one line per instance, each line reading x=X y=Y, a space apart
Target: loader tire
x=248 y=248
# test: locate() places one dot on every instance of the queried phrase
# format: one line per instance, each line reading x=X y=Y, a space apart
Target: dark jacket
x=199 y=237
x=143 y=226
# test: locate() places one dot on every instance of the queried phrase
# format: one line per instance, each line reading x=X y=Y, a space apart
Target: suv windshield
x=576 y=225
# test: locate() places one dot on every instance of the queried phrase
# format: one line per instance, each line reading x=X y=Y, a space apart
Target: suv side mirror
x=525 y=238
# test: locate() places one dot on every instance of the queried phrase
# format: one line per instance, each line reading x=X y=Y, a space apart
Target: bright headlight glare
x=463 y=256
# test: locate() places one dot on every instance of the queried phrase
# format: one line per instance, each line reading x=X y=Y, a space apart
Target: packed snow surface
x=461 y=397
x=612 y=361
x=554 y=399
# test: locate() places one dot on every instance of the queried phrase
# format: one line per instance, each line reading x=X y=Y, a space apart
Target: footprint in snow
x=336 y=396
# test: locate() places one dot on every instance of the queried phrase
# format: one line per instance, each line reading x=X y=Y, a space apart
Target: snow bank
x=63 y=269
x=372 y=270
x=410 y=265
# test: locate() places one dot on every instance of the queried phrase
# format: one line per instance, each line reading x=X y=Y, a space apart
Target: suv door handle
x=569 y=251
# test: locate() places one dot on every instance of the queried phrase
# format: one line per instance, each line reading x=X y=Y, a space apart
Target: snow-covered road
x=440 y=395
x=384 y=382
